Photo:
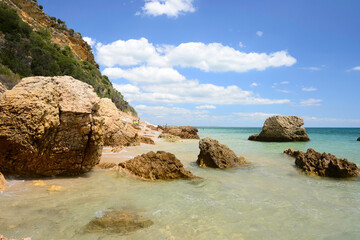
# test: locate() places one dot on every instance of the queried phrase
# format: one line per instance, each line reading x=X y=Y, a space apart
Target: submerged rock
x=50 y=126
x=324 y=165
x=3 y=185
x=156 y=166
x=216 y=155
x=282 y=129
x=118 y=222
x=186 y=132
x=169 y=137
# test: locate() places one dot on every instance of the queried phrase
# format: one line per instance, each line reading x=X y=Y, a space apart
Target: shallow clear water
x=267 y=199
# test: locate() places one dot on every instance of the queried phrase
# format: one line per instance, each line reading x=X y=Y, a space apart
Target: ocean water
x=266 y=199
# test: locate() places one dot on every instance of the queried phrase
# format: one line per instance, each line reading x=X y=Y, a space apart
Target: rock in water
x=358 y=139
x=2 y=88
x=183 y=132
x=216 y=155
x=118 y=222
x=50 y=126
x=324 y=165
x=282 y=129
x=3 y=185
x=156 y=166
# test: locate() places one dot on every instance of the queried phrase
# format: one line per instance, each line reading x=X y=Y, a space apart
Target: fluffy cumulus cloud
x=310 y=102
x=206 y=107
x=212 y=57
x=170 y=8
x=89 y=41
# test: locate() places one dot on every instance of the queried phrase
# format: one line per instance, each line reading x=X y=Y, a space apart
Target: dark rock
x=324 y=165
x=358 y=139
x=186 y=132
x=282 y=129
x=118 y=222
x=156 y=166
x=216 y=155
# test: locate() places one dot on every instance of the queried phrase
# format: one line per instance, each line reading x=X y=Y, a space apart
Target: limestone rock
x=156 y=166
x=324 y=165
x=169 y=137
x=216 y=155
x=117 y=133
x=120 y=222
x=50 y=126
x=2 y=88
x=282 y=129
x=186 y=132
x=3 y=185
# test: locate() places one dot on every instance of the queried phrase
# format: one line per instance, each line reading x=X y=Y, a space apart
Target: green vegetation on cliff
x=24 y=53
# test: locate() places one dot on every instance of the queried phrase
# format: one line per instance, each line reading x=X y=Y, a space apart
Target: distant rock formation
x=169 y=137
x=324 y=165
x=156 y=166
x=2 y=88
x=120 y=222
x=282 y=129
x=186 y=132
x=50 y=126
x=3 y=185
x=216 y=155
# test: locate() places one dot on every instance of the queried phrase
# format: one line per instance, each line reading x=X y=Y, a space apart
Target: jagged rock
x=358 y=139
x=50 y=126
x=118 y=222
x=2 y=88
x=216 y=155
x=152 y=127
x=4 y=238
x=169 y=137
x=146 y=140
x=282 y=129
x=160 y=128
x=117 y=133
x=186 y=132
x=3 y=185
x=106 y=165
x=156 y=166
x=324 y=165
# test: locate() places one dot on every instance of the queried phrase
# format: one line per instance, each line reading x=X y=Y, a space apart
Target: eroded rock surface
x=156 y=166
x=169 y=137
x=121 y=222
x=216 y=155
x=282 y=129
x=106 y=165
x=186 y=132
x=50 y=126
x=2 y=88
x=3 y=185
x=324 y=165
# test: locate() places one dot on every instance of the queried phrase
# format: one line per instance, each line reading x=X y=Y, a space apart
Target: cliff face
x=30 y=12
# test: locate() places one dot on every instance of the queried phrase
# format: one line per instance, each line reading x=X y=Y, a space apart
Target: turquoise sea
x=266 y=199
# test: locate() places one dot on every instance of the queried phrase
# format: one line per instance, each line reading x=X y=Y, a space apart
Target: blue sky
x=229 y=62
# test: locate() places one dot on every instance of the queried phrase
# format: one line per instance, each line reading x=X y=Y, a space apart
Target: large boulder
x=117 y=133
x=3 y=185
x=282 y=129
x=156 y=166
x=216 y=155
x=169 y=137
x=2 y=88
x=186 y=132
x=119 y=222
x=50 y=126
x=324 y=165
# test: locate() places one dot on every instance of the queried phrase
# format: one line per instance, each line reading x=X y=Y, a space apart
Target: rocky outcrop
x=3 y=185
x=216 y=155
x=324 y=165
x=120 y=222
x=146 y=140
x=2 y=89
x=30 y=13
x=282 y=129
x=358 y=139
x=169 y=137
x=4 y=238
x=156 y=166
x=186 y=132
x=50 y=126
x=106 y=165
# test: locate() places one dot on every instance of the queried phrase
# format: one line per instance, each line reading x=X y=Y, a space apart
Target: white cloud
x=357 y=68
x=161 y=111
x=255 y=115
x=145 y=75
x=311 y=68
x=206 y=107
x=284 y=82
x=259 y=33
x=213 y=57
x=309 y=89
x=90 y=41
x=241 y=45
x=170 y=8
x=282 y=90
x=317 y=119
x=310 y=102
x=254 y=84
